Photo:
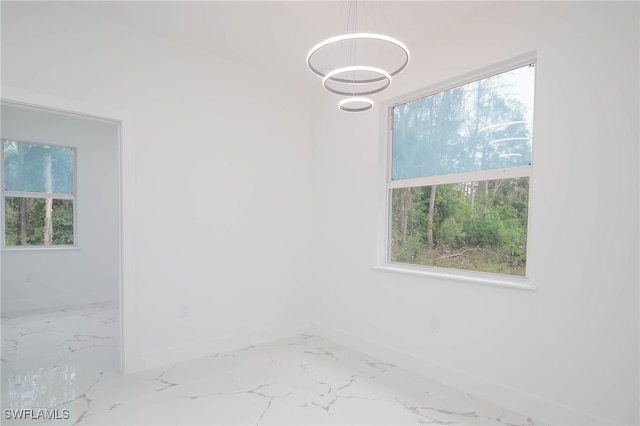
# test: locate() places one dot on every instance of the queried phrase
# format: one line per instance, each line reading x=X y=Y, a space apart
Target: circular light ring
x=343 y=104
x=331 y=77
x=359 y=36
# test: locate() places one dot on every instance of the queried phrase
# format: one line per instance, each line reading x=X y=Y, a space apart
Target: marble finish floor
x=50 y=359
x=302 y=380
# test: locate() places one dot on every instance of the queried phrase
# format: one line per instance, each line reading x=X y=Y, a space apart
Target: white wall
x=54 y=278
x=568 y=352
x=234 y=148
x=216 y=208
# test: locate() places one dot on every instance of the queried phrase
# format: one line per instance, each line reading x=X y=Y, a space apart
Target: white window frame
x=28 y=194
x=387 y=184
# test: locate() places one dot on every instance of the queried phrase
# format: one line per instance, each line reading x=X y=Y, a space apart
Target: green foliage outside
x=477 y=127
x=480 y=226
x=31 y=168
x=34 y=221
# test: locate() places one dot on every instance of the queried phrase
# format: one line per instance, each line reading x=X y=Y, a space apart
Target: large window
x=460 y=165
x=38 y=194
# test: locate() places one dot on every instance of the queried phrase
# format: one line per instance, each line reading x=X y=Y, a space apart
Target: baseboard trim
x=538 y=408
x=26 y=308
x=157 y=358
x=513 y=399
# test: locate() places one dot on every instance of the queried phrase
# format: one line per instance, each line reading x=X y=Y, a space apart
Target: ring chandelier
x=351 y=79
x=332 y=77
x=355 y=104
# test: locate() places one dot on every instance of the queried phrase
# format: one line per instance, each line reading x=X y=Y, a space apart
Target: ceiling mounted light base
x=355 y=104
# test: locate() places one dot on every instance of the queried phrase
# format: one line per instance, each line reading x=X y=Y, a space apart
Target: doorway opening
x=61 y=256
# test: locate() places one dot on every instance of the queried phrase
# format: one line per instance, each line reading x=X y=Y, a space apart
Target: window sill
x=40 y=248
x=458 y=275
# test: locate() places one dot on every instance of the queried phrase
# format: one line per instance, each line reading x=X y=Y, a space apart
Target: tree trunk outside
x=486 y=193
x=432 y=204
x=405 y=203
x=23 y=209
x=48 y=221
x=23 y=221
x=48 y=204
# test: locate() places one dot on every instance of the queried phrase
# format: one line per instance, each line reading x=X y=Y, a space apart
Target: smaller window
x=38 y=194
x=457 y=186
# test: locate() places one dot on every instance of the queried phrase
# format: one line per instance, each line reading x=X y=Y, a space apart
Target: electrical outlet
x=435 y=325
x=28 y=278
x=185 y=310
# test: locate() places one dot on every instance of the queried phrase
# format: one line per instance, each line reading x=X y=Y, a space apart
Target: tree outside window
x=461 y=164
x=38 y=192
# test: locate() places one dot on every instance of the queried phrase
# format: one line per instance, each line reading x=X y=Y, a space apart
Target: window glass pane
x=476 y=226
x=34 y=167
x=481 y=125
x=38 y=221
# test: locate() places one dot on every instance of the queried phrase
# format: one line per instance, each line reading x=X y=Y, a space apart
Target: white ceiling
x=276 y=35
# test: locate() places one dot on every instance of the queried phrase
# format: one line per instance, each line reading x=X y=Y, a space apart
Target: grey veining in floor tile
x=301 y=380
x=50 y=360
